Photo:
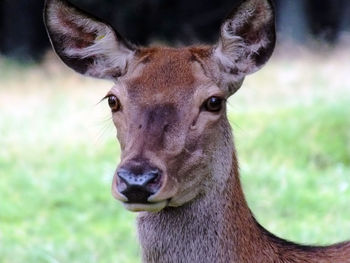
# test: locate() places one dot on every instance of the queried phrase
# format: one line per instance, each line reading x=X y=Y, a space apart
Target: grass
x=296 y=169
x=58 y=153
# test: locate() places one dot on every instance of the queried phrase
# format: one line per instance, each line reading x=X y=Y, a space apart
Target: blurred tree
x=325 y=18
x=292 y=19
x=189 y=21
x=345 y=18
x=22 y=30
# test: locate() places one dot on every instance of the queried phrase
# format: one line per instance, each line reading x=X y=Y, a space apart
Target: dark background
x=176 y=21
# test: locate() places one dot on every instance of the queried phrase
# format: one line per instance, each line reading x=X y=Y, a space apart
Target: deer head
x=168 y=104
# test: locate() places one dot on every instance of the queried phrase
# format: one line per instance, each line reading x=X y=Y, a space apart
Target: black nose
x=138 y=186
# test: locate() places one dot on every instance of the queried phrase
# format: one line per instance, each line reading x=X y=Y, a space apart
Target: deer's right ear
x=85 y=43
x=247 y=40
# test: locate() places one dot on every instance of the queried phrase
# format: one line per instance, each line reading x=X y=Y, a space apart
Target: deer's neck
x=210 y=229
x=216 y=227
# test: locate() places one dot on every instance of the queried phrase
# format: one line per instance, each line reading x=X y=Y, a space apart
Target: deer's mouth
x=146 y=207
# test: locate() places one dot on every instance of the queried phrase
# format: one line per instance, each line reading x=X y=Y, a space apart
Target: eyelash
x=117 y=105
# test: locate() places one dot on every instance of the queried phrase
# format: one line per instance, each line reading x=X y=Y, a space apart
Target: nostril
x=155 y=178
x=166 y=128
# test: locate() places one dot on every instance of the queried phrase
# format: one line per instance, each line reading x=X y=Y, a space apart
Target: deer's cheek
x=121 y=135
x=205 y=121
x=120 y=140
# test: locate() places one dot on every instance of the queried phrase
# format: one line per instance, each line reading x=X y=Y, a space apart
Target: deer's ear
x=247 y=39
x=84 y=43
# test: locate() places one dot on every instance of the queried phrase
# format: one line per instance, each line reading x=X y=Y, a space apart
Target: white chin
x=150 y=207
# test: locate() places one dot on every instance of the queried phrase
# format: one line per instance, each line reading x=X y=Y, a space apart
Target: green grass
x=296 y=170
x=58 y=153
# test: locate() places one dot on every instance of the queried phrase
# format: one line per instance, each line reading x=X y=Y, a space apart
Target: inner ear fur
x=85 y=43
x=247 y=39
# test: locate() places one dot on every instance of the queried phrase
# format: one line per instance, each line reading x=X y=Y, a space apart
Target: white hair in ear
x=85 y=43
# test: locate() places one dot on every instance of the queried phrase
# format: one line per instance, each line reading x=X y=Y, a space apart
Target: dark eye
x=114 y=103
x=213 y=104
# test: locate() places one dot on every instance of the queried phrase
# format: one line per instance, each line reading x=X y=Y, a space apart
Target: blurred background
x=175 y=21
x=58 y=149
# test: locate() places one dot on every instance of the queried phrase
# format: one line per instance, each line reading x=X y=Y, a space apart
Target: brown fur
x=173 y=64
x=199 y=213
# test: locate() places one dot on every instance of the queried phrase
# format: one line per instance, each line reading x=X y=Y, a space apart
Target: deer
x=178 y=167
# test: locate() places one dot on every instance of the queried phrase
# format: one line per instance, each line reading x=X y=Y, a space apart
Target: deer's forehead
x=164 y=74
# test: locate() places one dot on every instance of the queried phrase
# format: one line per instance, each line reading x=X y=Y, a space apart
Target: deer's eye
x=114 y=103
x=213 y=104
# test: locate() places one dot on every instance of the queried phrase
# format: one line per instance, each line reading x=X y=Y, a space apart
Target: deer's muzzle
x=136 y=183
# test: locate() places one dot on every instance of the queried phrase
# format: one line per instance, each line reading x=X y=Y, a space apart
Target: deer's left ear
x=247 y=39
x=84 y=43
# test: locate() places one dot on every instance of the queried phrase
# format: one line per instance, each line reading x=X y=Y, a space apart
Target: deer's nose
x=138 y=186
